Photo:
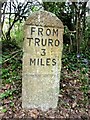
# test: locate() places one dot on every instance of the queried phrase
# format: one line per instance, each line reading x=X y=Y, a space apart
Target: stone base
x=40 y=91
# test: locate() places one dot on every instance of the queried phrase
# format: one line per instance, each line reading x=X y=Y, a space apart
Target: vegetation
x=73 y=15
x=74 y=97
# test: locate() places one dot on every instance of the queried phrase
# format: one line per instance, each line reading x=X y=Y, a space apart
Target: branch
x=13 y=55
x=83 y=8
x=2 y=23
x=74 y=4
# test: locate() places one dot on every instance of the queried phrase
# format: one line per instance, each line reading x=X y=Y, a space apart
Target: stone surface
x=42 y=48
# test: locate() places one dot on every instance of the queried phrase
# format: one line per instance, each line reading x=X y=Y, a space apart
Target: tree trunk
x=78 y=31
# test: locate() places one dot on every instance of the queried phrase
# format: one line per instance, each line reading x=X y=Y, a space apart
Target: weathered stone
x=43 y=45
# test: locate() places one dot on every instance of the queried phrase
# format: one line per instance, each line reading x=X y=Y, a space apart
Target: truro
x=43 y=42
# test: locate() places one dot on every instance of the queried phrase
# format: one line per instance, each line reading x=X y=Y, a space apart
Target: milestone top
x=44 y=18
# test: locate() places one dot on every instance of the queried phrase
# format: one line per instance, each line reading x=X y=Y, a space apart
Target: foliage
x=11 y=69
x=7 y=94
x=73 y=15
x=80 y=65
x=63 y=11
x=17 y=34
x=16 y=11
x=73 y=61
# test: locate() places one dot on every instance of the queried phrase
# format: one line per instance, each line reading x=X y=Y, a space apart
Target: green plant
x=6 y=94
x=85 y=82
x=4 y=110
x=17 y=34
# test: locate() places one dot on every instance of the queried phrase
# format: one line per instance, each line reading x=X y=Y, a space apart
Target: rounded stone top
x=44 y=18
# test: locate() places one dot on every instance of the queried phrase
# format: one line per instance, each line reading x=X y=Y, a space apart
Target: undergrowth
x=12 y=71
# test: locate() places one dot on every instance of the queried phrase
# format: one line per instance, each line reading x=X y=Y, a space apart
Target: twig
x=12 y=56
